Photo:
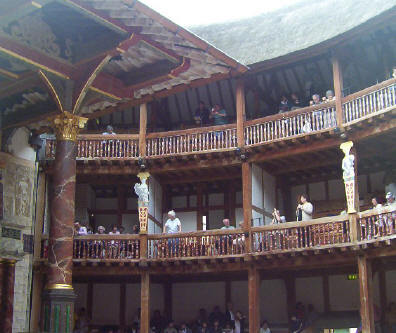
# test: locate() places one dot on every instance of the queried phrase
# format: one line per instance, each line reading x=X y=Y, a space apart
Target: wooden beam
x=145 y=302
x=247 y=200
x=254 y=298
x=241 y=112
x=37 y=290
x=142 y=130
x=366 y=294
x=338 y=87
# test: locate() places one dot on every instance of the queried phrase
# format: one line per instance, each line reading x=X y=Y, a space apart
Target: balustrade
x=291 y=124
x=374 y=100
x=301 y=235
x=197 y=244
x=116 y=247
x=191 y=141
x=377 y=223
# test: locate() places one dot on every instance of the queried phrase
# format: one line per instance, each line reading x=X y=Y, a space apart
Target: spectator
x=284 y=105
x=329 y=96
x=135 y=229
x=202 y=317
x=228 y=328
x=216 y=327
x=157 y=321
x=227 y=225
x=171 y=327
x=219 y=115
x=304 y=209
x=312 y=315
x=201 y=116
x=203 y=328
x=229 y=314
x=109 y=130
x=315 y=100
x=277 y=218
x=375 y=203
x=295 y=102
x=239 y=324
x=296 y=325
x=80 y=229
x=265 y=327
x=121 y=230
x=114 y=230
x=216 y=315
x=184 y=328
x=101 y=230
x=172 y=224
x=390 y=200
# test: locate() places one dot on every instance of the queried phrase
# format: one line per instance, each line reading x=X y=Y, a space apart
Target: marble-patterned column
x=58 y=297
x=8 y=281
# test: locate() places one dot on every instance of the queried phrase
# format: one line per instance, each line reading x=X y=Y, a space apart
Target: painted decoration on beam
x=348 y=174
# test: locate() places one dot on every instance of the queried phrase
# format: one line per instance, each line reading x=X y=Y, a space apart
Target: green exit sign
x=352 y=277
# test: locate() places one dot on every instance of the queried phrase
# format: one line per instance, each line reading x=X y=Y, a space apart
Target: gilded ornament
x=67 y=126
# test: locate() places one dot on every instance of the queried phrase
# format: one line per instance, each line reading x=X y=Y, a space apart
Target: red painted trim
x=112 y=85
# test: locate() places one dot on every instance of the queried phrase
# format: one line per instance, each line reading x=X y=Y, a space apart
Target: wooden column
x=326 y=293
x=199 y=206
x=37 y=289
x=240 y=112
x=290 y=284
x=366 y=294
x=168 y=302
x=247 y=201
x=142 y=130
x=231 y=193
x=338 y=87
x=254 y=299
x=122 y=306
x=145 y=302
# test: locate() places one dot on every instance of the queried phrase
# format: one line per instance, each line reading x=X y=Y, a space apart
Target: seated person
x=216 y=327
x=184 y=328
x=218 y=115
x=284 y=105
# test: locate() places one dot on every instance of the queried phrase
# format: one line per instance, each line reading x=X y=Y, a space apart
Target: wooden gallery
x=154 y=178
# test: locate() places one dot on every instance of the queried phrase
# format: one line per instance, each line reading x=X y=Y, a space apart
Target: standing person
x=201 y=115
x=284 y=105
x=304 y=209
x=219 y=115
x=295 y=102
x=229 y=314
x=114 y=245
x=375 y=203
x=390 y=200
x=239 y=324
x=172 y=226
x=264 y=328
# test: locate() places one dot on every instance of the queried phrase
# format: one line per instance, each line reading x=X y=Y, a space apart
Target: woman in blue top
x=219 y=115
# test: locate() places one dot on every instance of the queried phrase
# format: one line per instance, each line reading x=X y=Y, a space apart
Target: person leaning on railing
x=304 y=212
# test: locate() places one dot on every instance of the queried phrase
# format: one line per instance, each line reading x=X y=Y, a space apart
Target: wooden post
x=247 y=201
x=168 y=302
x=145 y=302
x=199 y=206
x=37 y=289
x=366 y=294
x=326 y=293
x=142 y=130
x=240 y=112
x=231 y=203
x=338 y=87
x=122 y=306
x=290 y=284
x=254 y=299
x=38 y=226
x=382 y=294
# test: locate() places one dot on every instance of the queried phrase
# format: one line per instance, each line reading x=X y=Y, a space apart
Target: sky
x=202 y=12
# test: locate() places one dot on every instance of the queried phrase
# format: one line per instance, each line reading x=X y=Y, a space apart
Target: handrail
x=195 y=130
x=369 y=90
x=197 y=233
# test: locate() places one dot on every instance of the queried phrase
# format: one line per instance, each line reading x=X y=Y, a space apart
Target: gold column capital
x=67 y=125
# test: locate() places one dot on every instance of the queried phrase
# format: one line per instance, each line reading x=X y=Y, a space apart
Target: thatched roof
x=290 y=29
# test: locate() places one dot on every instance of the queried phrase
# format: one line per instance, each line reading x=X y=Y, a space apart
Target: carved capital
x=67 y=126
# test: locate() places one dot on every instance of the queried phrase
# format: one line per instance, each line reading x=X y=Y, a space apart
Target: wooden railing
x=368 y=102
x=195 y=140
x=291 y=124
x=326 y=232
x=302 y=235
x=107 y=247
x=377 y=223
x=94 y=146
x=196 y=244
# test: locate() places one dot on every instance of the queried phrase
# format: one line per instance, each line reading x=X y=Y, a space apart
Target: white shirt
x=82 y=231
x=237 y=328
x=267 y=330
x=307 y=210
x=172 y=226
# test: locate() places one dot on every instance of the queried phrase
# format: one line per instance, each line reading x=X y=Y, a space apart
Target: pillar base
x=58 y=310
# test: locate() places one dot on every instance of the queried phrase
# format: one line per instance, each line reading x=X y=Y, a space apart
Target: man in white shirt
x=172 y=226
x=304 y=209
